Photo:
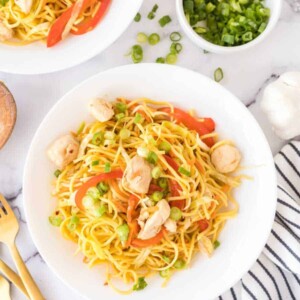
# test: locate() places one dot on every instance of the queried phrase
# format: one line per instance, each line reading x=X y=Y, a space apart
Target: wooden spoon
x=8 y=114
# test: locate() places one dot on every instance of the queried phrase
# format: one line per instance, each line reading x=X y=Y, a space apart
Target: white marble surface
x=245 y=75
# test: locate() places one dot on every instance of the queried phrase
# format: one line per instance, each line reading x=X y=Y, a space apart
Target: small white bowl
x=275 y=7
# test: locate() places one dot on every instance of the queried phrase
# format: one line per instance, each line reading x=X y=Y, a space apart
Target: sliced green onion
x=179 y=264
x=166 y=258
x=142 y=152
x=88 y=201
x=175 y=36
x=164 y=146
x=100 y=211
x=156 y=172
x=153 y=39
x=55 y=220
x=140 y=285
x=216 y=244
x=137 y=17
x=171 y=59
x=141 y=37
x=107 y=167
x=109 y=135
x=102 y=188
x=157 y=196
x=81 y=127
x=152 y=157
x=175 y=213
x=95 y=163
x=218 y=75
x=121 y=107
x=155 y=8
x=160 y=60
x=57 y=173
x=94 y=193
x=247 y=37
x=123 y=232
x=151 y=15
x=210 y=7
x=164 y=21
x=200 y=30
x=138 y=118
x=74 y=221
x=163 y=183
x=165 y=273
x=98 y=138
x=175 y=48
x=184 y=171
x=120 y=116
x=124 y=133
x=228 y=39
x=136 y=54
x=262 y=27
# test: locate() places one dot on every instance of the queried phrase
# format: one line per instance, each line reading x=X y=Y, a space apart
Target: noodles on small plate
x=143 y=188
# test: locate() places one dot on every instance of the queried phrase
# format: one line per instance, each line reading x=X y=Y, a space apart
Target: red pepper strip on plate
x=90 y=23
x=175 y=188
x=209 y=124
x=190 y=122
x=203 y=224
x=154 y=188
x=138 y=243
x=81 y=192
x=132 y=204
x=133 y=231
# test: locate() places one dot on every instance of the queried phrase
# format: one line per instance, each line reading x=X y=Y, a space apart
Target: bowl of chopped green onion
x=226 y=26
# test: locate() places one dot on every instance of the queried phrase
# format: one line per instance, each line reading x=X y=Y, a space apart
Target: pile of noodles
x=97 y=238
x=36 y=24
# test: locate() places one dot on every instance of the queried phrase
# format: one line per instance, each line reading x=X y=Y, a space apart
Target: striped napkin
x=276 y=273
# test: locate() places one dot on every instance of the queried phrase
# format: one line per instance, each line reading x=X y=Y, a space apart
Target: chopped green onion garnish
x=160 y=60
x=140 y=285
x=98 y=138
x=55 y=220
x=107 y=167
x=175 y=214
x=218 y=75
x=163 y=183
x=100 y=211
x=228 y=39
x=109 y=135
x=94 y=193
x=184 y=171
x=154 y=8
x=121 y=107
x=136 y=54
x=138 y=118
x=74 y=221
x=200 y=29
x=153 y=39
x=165 y=273
x=123 y=232
x=166 y=259
x=57 y=173
x=120 y=116
x=156 y=172
x=95 y=163
x=216 y=244
x=152 y=157
x=137 y=17
x=151 y=15
x=164 y=146
x=175 y=36
x=175 y=48
x=164 y=21
x=124 y=133
x=81 y=127
x=247 y=37
x=157 y=196
x=141 y=37
x=142 y=152
x=171 y=59
x=179 y=264
x=102 y=188
x=88 y=201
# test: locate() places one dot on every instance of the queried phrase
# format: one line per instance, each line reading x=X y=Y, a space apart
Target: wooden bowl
x=8 y=114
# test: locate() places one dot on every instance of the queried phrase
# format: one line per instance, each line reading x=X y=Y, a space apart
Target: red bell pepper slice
x=138 y=243
x=203 y=224
x=81 y=192
x=132 y=204
x=90 y=23
x=154 y=188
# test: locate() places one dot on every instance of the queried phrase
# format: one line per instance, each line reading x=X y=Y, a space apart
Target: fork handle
x=28 y=281
x=13 y=277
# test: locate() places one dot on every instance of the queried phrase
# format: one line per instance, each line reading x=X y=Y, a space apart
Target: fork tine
x=5 y=205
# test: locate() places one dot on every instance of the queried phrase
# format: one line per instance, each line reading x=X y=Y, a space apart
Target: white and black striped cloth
x=276 y=273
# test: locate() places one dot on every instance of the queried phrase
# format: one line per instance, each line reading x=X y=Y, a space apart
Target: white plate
x=243 y=237
x=36 y=58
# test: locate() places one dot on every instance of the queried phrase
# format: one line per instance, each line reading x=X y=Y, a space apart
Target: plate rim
x=273 y=176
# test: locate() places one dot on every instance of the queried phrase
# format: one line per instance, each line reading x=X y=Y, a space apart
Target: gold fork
x=9 y=228
x=4 y=289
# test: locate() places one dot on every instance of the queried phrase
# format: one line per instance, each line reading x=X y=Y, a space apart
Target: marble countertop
x=245 y=75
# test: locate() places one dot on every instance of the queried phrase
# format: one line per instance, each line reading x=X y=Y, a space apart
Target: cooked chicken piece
x=101 y=110
x=138 y=175
x=5 y=32
x=144 y=215
x=63 y=151
x=171 y=225
x=226 y=158
x=25 y=5
x=154 y=223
